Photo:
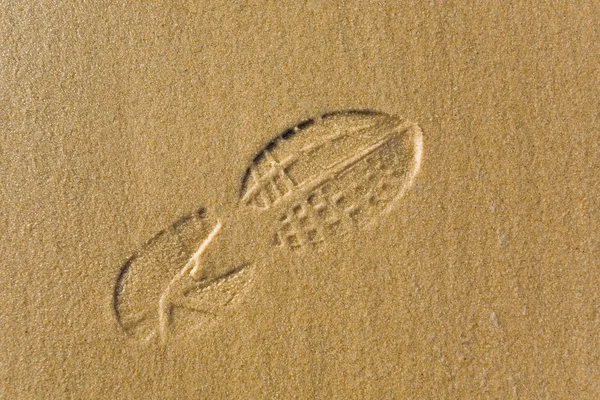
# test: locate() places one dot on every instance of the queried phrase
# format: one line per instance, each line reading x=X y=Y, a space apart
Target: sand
x=441 y=242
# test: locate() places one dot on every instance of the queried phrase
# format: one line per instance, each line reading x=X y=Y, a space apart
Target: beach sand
x=132 y=265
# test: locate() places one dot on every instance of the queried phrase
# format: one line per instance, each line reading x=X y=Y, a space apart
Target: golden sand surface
x=277 y=200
